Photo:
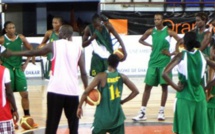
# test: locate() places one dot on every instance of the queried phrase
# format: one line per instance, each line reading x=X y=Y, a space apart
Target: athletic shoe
x=140 y=117
x=161 y=116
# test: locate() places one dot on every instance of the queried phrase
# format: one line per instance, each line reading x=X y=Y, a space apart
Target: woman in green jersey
x=190 y=116
x=51 y=35
x=109 y=116
x=13 y=41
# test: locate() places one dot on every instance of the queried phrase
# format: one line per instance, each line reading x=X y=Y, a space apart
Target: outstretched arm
x=36 y=52
x=169 y=68
x=132 y=87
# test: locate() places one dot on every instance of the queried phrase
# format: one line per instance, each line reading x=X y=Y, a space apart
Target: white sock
x=162 y=108
x=143 y=108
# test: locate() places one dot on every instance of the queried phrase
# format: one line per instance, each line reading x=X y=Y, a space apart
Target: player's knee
x=24 y=95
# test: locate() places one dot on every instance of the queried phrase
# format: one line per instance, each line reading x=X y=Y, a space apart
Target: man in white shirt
x=63 y=85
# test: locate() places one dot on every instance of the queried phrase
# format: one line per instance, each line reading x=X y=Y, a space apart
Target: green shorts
x=211 y=120
x=97 y=65
x=154 y=76
x=190 y=117
x=117 y=130
x=48 y=66
x=47 y=69
x=18 y=80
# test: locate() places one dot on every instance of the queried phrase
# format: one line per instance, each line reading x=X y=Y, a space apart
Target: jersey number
x=114 y=95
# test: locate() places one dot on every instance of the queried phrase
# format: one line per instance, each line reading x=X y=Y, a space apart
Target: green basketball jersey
x=200 y=37
x=16 y=45
x=191 y=72
x=53 y=37
x=211 y=102
x=109 y=113
x=160 y=42
x=103 y=37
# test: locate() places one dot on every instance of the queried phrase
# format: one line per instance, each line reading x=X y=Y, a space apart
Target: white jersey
x=64 y=69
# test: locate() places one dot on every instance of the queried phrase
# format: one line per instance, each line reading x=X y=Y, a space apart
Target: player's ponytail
x=5 y=26
x=190 y=41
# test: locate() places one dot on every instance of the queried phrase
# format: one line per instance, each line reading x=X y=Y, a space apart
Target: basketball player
x=211 y=89
x=51 y=35
x=63 y=85
x=211 y=106
x=204 y=37
x=203 y=34
x=100 y=38
x=191 y=108
x=13 y=41
x=7 y=103
x=109 y=116
x=159 y=58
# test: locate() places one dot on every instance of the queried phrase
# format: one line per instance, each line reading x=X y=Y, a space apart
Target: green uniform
x=52 y=38
x=109 y=116
x=157 y=62
x=99 y=64
x=211 y=113
x=14 y=64
x=200 y=37
x=191 y=107
x=206 y=51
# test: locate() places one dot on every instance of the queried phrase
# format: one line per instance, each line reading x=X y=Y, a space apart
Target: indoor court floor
x=37 y=95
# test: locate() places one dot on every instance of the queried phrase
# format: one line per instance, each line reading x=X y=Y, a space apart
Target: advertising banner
x=139 y=22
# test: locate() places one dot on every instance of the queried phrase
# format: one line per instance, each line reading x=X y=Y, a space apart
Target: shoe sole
x=139 y=120
x=159 y=119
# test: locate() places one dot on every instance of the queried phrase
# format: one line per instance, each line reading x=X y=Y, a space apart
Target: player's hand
x=15 y=116
x=125 y=55
x=179 y=87
x=41 y=45
x=94 y=36
x=166 y=52
x=208 y=95
x=79 y=112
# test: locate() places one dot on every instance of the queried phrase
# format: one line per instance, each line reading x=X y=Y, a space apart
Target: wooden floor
x=37 y=93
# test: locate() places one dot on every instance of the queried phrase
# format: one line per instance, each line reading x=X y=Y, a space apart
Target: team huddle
x=195 y=105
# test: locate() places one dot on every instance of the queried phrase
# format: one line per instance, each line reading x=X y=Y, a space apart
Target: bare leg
x=146 y=95
x=164 y=94
x=24 y=100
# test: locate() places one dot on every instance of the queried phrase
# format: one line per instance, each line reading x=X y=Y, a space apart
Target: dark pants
x=55 y=104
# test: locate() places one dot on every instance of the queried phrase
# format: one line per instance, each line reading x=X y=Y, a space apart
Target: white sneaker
x=140 y=117
x=161 y=116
